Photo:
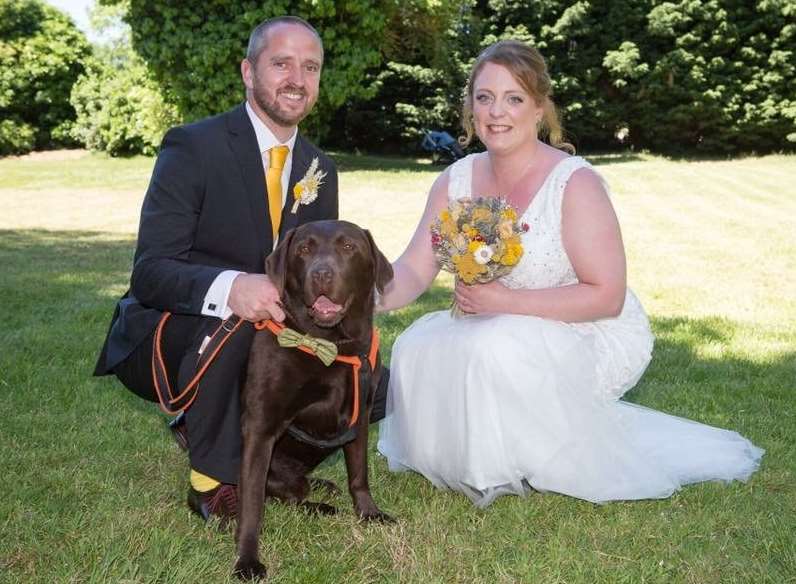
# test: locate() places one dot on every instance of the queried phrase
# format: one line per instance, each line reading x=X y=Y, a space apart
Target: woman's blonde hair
x=528 y=67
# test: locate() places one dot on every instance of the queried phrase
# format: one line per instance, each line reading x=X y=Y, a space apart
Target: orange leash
x=173 y=405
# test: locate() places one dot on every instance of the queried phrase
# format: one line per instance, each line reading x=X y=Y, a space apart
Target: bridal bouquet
x=477 y=240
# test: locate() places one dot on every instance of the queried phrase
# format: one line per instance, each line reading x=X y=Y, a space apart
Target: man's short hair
x=258 y=40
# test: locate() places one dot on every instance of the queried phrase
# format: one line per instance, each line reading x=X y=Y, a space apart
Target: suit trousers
x=213 y=420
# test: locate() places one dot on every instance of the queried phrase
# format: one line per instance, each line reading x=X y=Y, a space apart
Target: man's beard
x=272 y=109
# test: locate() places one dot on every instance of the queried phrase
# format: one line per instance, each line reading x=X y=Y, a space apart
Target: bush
x=16 y=137
x=120 y=108
x=194 y=49
x=427 y=49
x=714 y=76
x=41 y=56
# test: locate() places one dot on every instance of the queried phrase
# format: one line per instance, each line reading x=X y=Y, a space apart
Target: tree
x=722 y=74
x=41 y=55
x=691 y=75
x=194 y=49
x=120 y=109
x=575 y=38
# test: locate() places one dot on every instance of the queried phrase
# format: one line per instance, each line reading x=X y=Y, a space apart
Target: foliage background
x=680 y=77
x=42 y=53
x=120 y=107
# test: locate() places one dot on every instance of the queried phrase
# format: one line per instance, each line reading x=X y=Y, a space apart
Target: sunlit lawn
x=94 y=487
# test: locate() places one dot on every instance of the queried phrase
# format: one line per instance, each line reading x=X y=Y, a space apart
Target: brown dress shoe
x=221 y=502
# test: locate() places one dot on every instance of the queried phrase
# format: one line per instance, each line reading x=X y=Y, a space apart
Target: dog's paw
x=324 y=485
x=249 y=569
x=376 y=516
x=318 y=508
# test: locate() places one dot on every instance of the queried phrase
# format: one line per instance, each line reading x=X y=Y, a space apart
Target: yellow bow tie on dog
x=325 y=350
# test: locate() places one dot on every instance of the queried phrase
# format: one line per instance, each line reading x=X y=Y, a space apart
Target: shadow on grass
x=605 y=158
x=59 y=289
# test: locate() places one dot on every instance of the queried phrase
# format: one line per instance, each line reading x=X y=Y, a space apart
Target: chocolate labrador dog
x=296 y=409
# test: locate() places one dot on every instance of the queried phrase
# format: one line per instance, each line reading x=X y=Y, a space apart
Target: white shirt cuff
x=215 y=303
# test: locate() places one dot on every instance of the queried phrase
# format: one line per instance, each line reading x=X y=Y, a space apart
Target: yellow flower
x=481 y=214
x=500 y=249
x=456 y=210
x=305 y=191
x=505 y=229
x=509 y=214
x=445 y=215
x=469 y=230
x=447 y=228
x=512 y=255
x=467 y=268
x=474 y=245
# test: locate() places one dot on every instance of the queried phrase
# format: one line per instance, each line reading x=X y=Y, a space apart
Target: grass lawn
x=94 y=486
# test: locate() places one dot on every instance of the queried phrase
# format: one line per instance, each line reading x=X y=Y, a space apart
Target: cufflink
x=211 y=306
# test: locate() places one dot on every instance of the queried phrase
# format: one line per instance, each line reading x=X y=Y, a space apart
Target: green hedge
x=194 y=49
x=42 y=53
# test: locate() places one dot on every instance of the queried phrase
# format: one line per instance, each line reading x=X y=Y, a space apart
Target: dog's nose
x=322 y=275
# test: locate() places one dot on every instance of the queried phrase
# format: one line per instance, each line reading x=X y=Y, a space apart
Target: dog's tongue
x=326 y=306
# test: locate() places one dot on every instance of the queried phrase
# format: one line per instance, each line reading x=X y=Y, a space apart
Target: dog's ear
x=382 y=269
x=276 y=262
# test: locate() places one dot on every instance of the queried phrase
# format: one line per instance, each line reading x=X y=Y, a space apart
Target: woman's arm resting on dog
x=417 y=267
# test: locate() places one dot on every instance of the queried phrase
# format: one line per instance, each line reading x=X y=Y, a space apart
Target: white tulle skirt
x=493 y=405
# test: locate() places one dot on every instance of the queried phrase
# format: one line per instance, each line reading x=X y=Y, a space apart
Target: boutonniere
x=306 y=190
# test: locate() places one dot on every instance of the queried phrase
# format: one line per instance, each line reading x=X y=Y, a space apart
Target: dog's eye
x=348 y=246
x=304 y=249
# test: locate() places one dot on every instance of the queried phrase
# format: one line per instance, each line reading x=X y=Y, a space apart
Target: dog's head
x=328 y=270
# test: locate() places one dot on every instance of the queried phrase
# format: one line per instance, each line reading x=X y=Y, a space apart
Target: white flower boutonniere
x=306 y=190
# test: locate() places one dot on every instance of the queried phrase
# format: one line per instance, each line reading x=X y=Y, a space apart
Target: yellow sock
x=202 y=483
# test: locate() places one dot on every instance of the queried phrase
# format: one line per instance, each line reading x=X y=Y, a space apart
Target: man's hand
x=254 y=297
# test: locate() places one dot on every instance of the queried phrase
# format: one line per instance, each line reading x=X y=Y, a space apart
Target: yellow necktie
x=273 y=183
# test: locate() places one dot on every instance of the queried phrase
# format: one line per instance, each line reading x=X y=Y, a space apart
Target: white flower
x=306 y=190
x=483 y=254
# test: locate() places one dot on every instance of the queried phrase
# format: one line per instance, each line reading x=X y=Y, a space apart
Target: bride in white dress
x=524 y=391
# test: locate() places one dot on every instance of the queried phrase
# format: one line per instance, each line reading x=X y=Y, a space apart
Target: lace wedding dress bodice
x=545 y=263
x=623 y=344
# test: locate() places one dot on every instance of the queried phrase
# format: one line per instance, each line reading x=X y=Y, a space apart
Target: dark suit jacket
x=205 y=211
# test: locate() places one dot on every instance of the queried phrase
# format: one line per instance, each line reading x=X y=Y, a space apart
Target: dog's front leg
x=258 y=447
x=356 y=462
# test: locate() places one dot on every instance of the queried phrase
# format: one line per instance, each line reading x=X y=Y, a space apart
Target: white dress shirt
x=215 y=303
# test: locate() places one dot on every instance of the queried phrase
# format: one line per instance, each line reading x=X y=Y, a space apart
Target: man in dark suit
x=221 y=193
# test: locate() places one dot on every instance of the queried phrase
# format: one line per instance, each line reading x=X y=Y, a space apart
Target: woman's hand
x=482 y=298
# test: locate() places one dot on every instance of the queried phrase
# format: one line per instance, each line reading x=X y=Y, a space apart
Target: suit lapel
x=301 y=163
x=243 y=143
